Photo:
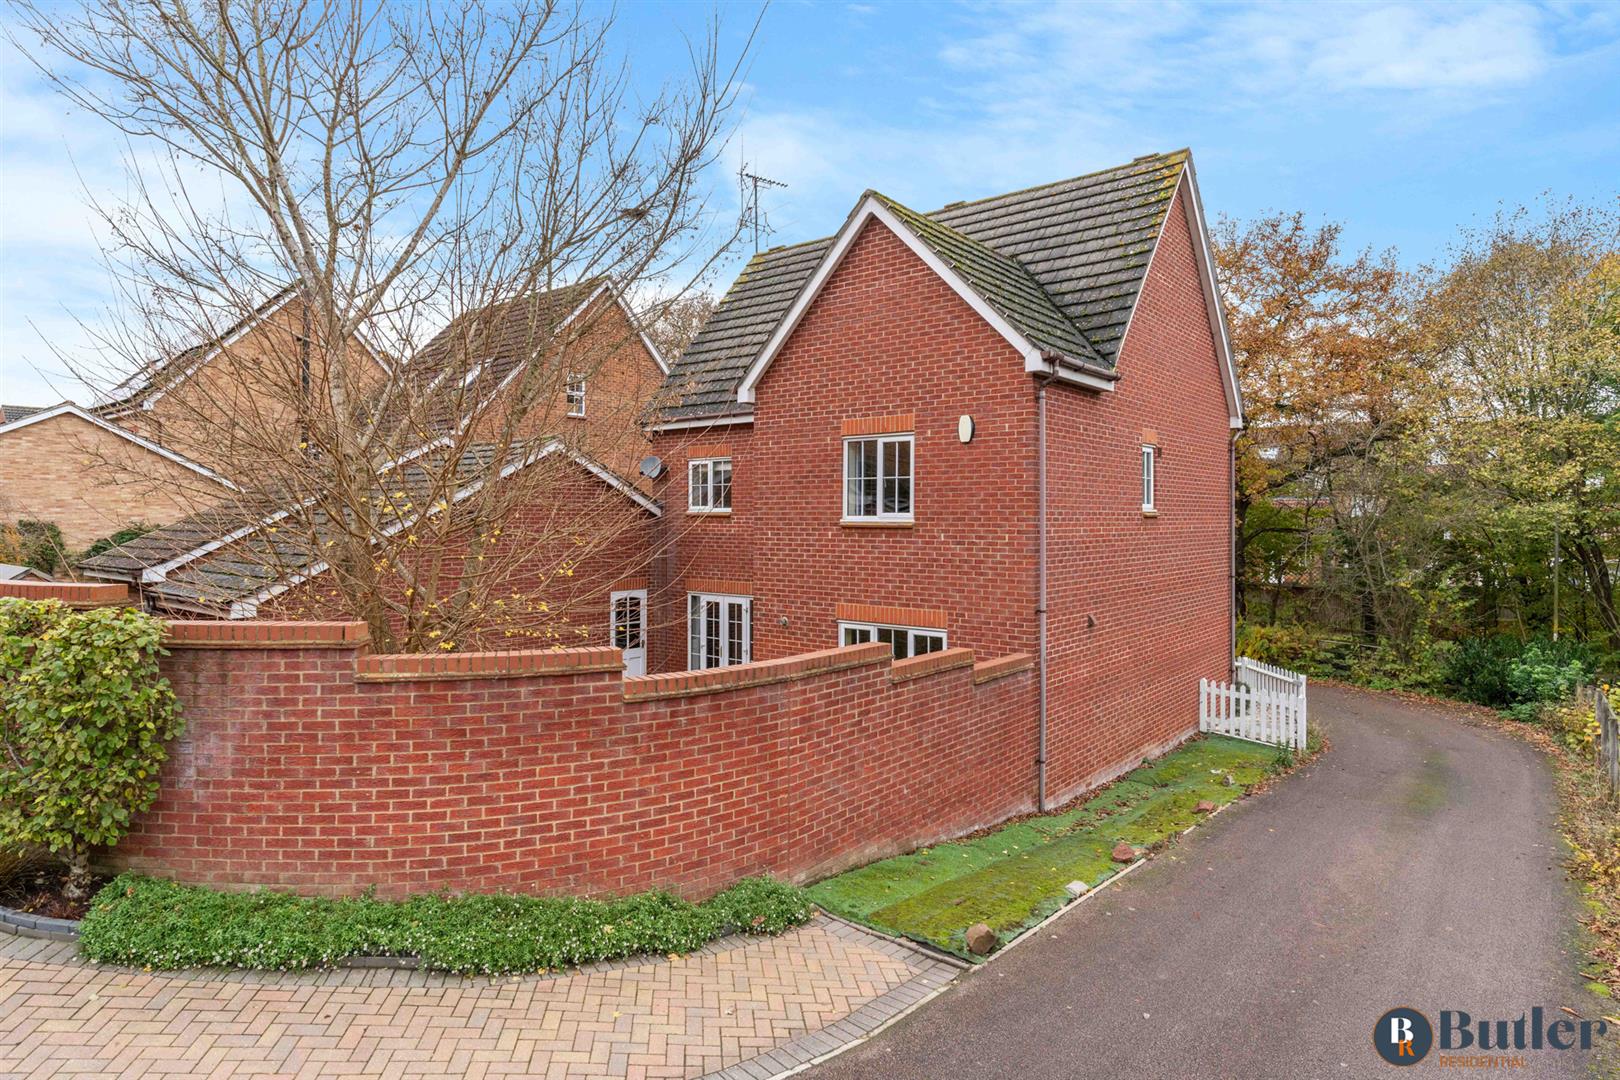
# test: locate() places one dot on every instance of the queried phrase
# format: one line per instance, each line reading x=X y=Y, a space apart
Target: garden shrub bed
x=152 y=923
x=1013 y=877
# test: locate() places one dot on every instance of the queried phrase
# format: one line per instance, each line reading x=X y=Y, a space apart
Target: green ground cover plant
x=158 y=924
x=1015 y=876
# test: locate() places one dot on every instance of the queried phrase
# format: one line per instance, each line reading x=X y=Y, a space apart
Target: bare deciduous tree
x=399 y=168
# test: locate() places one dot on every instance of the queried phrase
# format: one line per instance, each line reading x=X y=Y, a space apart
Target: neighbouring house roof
x=491 y=345
x=157 y=378
x=13 y=572
x=68 y=408
x=11 y=413
x=226 y=561
x=1061 y=264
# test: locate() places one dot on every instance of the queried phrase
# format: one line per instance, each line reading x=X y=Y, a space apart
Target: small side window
x=576 y=395
x=708 y=485
x=1150 y=456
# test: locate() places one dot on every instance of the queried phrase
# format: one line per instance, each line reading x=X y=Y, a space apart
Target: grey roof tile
x=1063 y=262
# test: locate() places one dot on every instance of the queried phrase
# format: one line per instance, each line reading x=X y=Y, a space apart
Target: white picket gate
x=1264 y=704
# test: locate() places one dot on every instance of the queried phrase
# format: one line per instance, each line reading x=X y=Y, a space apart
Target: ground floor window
x=719 y=631
x=904 y=640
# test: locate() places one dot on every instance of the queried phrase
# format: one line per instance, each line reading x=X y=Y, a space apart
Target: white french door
x=629 y=624
x=718 y=632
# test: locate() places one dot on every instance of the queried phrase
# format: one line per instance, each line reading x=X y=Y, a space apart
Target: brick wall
x=242 y=406
x=91 y=482
x=886 y=339
x=1140 y=606
x=311 y=764
x=569 y=540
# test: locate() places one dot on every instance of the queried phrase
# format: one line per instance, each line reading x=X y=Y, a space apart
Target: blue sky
x=1403 y=121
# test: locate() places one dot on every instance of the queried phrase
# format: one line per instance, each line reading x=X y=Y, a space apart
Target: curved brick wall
x=309 y=763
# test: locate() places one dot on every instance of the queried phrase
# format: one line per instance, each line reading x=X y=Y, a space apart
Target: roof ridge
x=1184 y=153
x=790 y=247
x=921 y=224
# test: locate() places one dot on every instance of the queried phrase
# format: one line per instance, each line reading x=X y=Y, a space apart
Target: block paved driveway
x=731 y=1002
x=1416 y=863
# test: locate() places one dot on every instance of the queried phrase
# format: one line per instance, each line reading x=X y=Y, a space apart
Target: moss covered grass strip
x=1016 y=876
x=158 y=924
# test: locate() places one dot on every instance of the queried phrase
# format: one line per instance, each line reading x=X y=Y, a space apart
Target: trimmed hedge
x=159 y=924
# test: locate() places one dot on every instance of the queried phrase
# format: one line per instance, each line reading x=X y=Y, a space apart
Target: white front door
x=629 y=615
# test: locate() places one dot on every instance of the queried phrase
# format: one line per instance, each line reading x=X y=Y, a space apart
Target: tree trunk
x=1599 y=583
x=77 y=885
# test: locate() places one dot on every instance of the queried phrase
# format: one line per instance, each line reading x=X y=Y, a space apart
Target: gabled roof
x=504 y=336
x=703 y=380
x=1061 y=265
x=229 y=560
x=67 y=408
x=11 y=413
x=155 y=380
x=1002 y=282
x=1088 y=240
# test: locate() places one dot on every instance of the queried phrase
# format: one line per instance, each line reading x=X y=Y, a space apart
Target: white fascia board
x=871 y=207
x=68 y=408
x=161 y=571
x=1212 y=300
x=702 y=422
x=1147 y=271
x=220 y=346
x=1035 y=365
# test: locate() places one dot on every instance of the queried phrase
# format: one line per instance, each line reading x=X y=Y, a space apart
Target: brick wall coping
x=758 y=673
x=407 y=667
x=218 y=634
x=914 y=667
x=72 y=593
x=1002 y=666
x=924 y=618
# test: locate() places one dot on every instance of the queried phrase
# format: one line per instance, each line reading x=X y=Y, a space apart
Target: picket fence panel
x=1265 y=704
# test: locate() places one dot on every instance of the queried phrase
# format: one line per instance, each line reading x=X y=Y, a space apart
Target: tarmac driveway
x=1416 y=863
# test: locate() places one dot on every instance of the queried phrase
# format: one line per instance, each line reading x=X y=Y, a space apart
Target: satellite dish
x=652 y=466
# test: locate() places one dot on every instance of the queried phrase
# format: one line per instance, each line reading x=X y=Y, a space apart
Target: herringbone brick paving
x=684 y=1017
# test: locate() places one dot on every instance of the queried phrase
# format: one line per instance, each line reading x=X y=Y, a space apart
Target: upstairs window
x=1150 y=455
x=708 y=486
x=877 y=478
x=904 y=640
x=576 y=395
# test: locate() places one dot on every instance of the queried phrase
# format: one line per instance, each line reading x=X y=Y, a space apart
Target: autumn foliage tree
x=1323 y=347
x=1525 y=330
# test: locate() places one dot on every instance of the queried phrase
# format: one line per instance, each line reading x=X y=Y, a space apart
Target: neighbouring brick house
x=215 y=401
x=865 y=432
x=69 y=466
x=169 y=441
x=574 y=448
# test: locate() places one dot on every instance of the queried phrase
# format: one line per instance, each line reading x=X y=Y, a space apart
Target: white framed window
x=904 y=640
x=575 y=393
x=708 y=485
x=1150 y=455
x=877 y=478
x=719 y=630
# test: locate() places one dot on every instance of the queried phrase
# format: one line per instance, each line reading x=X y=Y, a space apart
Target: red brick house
x=239 y=561
x=1004 y=425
